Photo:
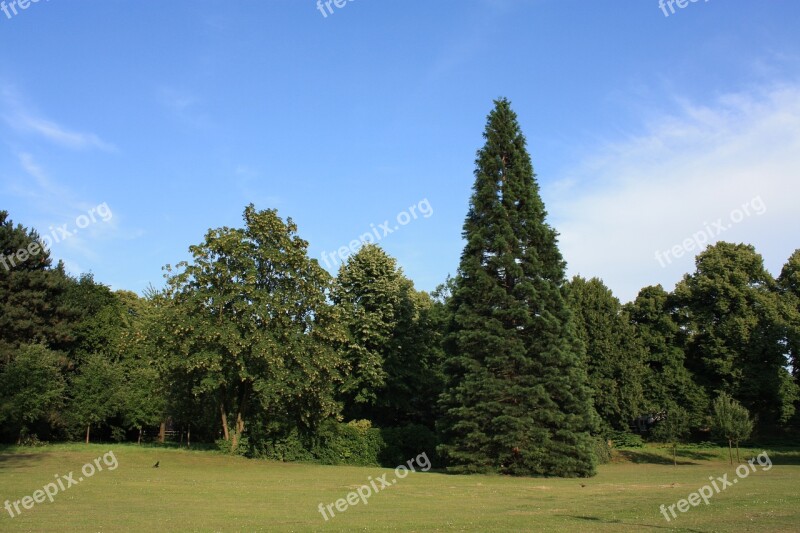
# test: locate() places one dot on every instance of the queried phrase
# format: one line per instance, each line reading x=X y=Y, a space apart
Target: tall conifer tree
x=516 y=399
x=614 y=356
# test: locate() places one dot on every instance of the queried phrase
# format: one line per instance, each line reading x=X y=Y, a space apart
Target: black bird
x=156 y=465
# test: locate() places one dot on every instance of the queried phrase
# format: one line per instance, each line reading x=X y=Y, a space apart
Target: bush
x=623 y=439
x=225 y=446
x=288 y=448
x=31 y=440
x=601 y=450
x=355 y=443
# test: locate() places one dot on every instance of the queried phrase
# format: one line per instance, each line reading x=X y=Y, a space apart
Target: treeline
x=506 y=367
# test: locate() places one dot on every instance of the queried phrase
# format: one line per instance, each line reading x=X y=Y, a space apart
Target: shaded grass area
x=206 y=491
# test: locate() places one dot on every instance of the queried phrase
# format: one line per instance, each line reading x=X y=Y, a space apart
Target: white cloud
x=18 y=117
x=650 y=192
x=58 y=134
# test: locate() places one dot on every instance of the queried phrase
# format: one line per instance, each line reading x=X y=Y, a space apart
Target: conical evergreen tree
x=516 y=399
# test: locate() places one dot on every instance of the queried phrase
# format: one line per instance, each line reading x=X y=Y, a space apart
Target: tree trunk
x=88 y=427
x=239 y=423
x=239 y=428
x=737 y=452
x=674 y=454
x=224 y=417
x=162 y=432
x=730 y=450
x=237 y=431
x=140 y=437
x=189 y=436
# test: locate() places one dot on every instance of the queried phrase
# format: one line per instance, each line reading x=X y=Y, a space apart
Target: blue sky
x=644 y=129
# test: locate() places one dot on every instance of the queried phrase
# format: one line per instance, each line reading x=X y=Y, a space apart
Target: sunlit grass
x=206 y=491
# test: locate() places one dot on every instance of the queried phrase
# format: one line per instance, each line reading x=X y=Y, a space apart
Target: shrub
x=355 y=443
x=31 y=440
x=225 y=446
x=602 y=451
x=623 y=439
x=291 y=447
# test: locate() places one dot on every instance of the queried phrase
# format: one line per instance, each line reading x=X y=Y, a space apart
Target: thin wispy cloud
x=59 y=207
x=45 y=185
x=693 y=166
x=23 y=120
x=59 y=134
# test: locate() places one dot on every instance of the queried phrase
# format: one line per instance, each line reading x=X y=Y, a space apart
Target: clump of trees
x=507 y=367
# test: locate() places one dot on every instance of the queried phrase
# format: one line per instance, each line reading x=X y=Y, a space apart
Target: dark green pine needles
x=516 y=399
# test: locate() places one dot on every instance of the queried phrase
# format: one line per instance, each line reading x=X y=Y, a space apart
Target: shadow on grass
x=697 y=456
x=11 y=458
x=607 y=521
x=642 y=457
x=197 y=446
x=786 y=456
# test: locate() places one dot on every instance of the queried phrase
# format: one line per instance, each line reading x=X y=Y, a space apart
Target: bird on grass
x=156 y=465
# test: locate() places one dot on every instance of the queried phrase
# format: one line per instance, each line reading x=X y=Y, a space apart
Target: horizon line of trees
x=507 y=367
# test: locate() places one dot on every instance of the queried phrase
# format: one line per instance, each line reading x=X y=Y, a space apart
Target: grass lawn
x=206 y=491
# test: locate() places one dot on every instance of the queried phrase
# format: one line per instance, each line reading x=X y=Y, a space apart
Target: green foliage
x=615 y=357
x=30 y=440
x=673 y=429
x=31 y=388
x=368 y=289
x=601 y=450
x=98 y=316
x=31 y=294
x=625 y=439
x=96 y=393
x=290 y=447
x=732 y=312
x=516 y=398
x=250 y=329
x=789 y=286
x=731 y=420
x=142 y=402
x=667 y=382
x=354 y=443
x=392 y=351
x=226 y=446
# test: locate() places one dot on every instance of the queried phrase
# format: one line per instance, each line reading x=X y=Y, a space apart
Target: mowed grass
x=207 y=491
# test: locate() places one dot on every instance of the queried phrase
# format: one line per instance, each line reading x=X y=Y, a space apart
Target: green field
x=207 y=491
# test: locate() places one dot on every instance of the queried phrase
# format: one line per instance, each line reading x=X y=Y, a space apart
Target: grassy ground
x=205 y=491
